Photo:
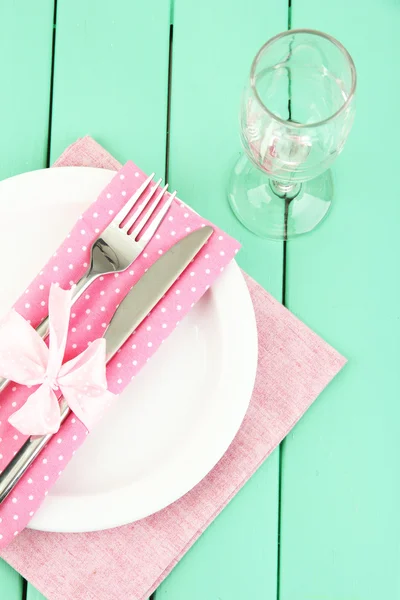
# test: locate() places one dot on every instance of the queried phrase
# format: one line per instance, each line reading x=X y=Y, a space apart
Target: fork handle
x=43 y=328
x=35 y=444
x=25 y=456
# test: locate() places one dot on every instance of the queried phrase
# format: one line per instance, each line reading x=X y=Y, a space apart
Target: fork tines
x=145 y=209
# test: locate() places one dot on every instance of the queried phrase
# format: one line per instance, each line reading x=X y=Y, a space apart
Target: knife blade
x=151 y=287
x=133 y=309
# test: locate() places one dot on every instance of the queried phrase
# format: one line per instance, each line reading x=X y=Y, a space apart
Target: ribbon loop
x=25 y=359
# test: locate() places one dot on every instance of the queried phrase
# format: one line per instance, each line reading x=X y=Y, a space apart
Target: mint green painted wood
x=26 y=31
x=209 y=69
x=111 y=78
x=341 y=495
x=11 y=583
x=213 y=46
x=25 y=51
x=33 y=594
x=111 y=81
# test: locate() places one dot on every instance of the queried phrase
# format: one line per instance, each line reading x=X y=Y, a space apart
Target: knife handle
x=25 y=457
x=33 y=446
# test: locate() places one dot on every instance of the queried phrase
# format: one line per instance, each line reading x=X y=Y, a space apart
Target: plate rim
x=51 y=516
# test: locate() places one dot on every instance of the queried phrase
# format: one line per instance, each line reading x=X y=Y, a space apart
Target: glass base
x=255 y=204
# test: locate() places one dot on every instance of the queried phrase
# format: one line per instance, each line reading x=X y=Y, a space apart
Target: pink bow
x=26 y=359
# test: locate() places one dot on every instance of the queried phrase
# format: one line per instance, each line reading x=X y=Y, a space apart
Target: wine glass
x=296 y=113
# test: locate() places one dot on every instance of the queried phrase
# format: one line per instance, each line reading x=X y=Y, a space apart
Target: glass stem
x=285 y=190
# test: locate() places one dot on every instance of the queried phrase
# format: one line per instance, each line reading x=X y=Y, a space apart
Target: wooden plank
x=110 y=81
x=11 y=583
x=213 y=46
x=26 y=33
x=111 y=78
x=341 y=494
x=33 y=594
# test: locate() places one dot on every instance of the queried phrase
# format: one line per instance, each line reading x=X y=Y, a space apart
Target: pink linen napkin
x=89 y=318
x=294 y=366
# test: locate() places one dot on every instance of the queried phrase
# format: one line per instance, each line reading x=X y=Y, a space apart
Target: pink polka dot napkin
x=131 y=561
x=89 y=318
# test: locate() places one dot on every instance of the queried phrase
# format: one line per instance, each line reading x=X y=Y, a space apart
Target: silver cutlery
x=133 y=309
x=117 y=247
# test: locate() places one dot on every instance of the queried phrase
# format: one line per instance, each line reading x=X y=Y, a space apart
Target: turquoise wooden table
x=160 y=83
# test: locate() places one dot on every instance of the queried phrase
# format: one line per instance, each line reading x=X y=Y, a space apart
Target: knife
x=133 y=309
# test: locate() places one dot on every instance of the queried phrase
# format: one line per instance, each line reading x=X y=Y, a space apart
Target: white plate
x=176 y=420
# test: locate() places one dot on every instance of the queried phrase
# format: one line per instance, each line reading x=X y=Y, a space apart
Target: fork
x=123 y=240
